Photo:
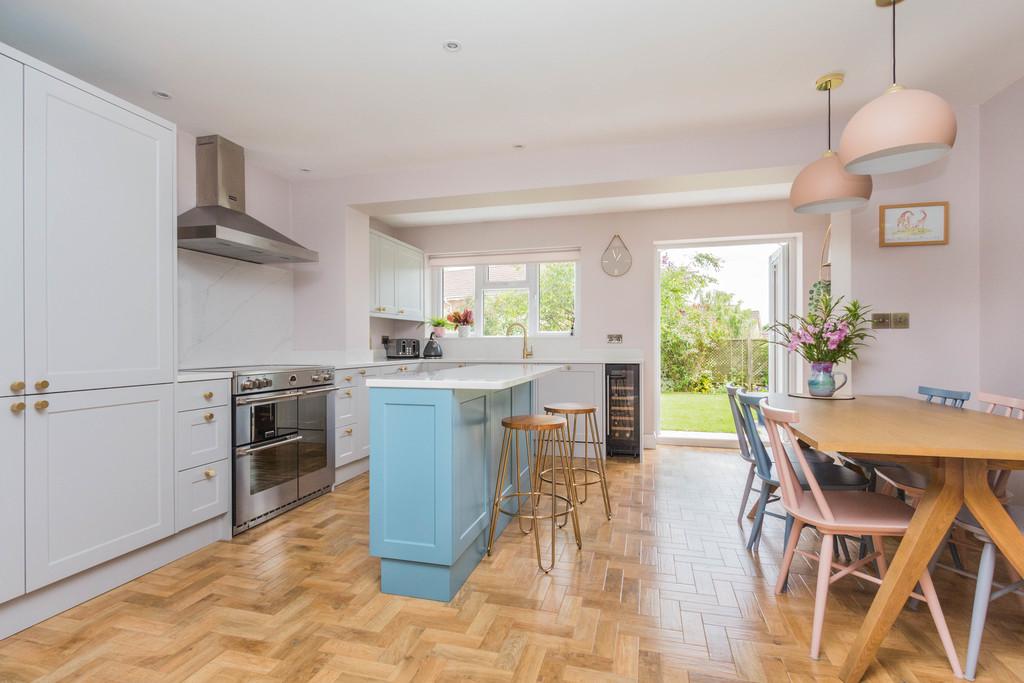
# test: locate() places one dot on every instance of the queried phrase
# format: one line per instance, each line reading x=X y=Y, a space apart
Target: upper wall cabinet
x=99 y=241
x=396 y=279
x=12 y=325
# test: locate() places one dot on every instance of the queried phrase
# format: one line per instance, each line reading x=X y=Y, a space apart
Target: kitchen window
x=541 y=295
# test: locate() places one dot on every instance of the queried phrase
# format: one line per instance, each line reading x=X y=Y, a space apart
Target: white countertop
x=489 y=377
x=202 y=375
x=574 y=360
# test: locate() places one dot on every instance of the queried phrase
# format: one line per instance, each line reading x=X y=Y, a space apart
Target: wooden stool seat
x=570 y=408
x=533 y=423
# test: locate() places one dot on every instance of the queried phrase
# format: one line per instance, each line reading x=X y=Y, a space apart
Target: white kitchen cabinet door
x=409 y=282
x=12 y=500
x=363 y=415
x=202 y=493
x=99 y=477
x=577 y=383
x=201 y=437
x=387 y=297
x=12 y=293
x=375 y=241
x=99 y=241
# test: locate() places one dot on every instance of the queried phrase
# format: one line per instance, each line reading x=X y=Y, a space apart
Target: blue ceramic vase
x=822 y=381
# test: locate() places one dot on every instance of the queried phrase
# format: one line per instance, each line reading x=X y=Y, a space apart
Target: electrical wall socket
x=614 y=338
x=881 y=321
x=900 y=321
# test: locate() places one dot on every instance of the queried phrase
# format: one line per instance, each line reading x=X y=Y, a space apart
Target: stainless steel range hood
x=219 y=224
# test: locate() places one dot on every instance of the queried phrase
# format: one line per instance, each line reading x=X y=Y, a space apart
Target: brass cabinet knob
x=17 y=386
x=363 y=371
x=401 y=311
x=16 y=408
x=209 y=474
x=348 y=378
x=41 y=405
x=348 y=392
x=208 y=417
x=42 y=384
x=208 y=395
x=348 y=432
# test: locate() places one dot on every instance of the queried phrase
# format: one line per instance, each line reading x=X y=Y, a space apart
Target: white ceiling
x=351 y=86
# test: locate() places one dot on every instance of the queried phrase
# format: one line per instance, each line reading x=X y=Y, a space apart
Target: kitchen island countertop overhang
x=482 y=377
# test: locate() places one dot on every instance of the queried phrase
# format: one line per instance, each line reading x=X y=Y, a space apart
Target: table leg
x=934 y=515
x=990 y=513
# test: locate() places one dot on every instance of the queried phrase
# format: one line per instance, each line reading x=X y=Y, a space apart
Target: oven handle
x=263 y=400
x=271 y=444
x=313 y=392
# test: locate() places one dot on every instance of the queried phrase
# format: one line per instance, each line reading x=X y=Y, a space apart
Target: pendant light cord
x=829 y=148
x=894 y=43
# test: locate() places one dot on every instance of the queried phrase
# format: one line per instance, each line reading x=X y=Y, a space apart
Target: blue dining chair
x=947 y=397
x=830 y=476
x=745 y=449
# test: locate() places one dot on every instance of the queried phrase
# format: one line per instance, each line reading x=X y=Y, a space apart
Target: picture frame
x=913 y=225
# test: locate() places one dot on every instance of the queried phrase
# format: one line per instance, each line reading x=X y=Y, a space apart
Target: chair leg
x=928 y=588
x=821 y=594
x=755 y=531
x=954 y=553
x=496 y=505
x=982 y=595
x=878 y=545
x=746 y=493
x=792 y=541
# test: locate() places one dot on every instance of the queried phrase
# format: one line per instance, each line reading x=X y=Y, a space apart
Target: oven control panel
x=279 y=379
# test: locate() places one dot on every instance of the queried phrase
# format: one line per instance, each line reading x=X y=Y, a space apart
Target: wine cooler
x=622 y=382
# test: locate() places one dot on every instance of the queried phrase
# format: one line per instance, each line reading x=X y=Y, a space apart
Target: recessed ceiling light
x=518 y=146
x=452 y=45
x=160 y=94
x=306 y=170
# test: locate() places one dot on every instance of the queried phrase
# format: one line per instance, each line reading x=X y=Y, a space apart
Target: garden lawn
x=685 y=412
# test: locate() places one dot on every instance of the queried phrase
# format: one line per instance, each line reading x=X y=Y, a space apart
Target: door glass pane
x=506 y=272
x=273 y=467
x=502 y=307
x=556 y=290
x=458 y=283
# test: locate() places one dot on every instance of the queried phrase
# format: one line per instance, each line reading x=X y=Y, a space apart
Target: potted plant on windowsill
x=463 y=321
x=830 y=334
x=438 y=326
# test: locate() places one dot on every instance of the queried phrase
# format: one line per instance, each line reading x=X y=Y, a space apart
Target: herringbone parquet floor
x=665 y=591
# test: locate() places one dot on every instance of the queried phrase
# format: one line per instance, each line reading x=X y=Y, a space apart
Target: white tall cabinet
x=99 y=241
x=87 y=253
x=12 y=297
x=396 y=279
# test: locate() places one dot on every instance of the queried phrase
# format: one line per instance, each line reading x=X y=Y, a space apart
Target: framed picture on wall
x=913 y=225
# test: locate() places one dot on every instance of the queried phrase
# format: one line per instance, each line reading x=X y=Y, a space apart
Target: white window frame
x=530 y=283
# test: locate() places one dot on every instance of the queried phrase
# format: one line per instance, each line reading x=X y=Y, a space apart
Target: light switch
x=900 y=321
x=614 y=338
x=881 y=321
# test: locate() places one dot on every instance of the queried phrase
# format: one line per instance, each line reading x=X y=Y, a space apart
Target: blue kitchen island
x=436 y=438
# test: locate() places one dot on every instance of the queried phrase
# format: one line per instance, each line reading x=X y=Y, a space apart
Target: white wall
x=937 y=285
x=232 y=312
x=623 y=305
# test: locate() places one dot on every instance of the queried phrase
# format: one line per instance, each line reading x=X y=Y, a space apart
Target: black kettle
x=432 y=349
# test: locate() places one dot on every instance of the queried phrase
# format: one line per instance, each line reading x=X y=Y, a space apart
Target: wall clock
x=616 y=259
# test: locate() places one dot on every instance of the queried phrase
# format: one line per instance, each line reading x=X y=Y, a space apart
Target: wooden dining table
x=960 y=447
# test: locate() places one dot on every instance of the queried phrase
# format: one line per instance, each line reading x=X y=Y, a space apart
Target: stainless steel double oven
x=283 y=440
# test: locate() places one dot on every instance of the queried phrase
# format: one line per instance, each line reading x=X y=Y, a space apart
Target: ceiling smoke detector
x=452 y=45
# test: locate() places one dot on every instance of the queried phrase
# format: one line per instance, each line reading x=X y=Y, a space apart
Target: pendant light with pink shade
x=824 y=186
x=900 y=130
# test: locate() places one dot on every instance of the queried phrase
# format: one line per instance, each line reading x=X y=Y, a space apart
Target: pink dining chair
x=833 y=513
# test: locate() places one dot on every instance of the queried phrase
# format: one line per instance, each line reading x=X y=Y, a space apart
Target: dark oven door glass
x=316 y=450
x=267 y=442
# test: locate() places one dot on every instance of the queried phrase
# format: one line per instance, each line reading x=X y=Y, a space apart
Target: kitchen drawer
x=201 y=436
x=345 y=406
x=202 y=493
x=350 y=377
x=400 y=369
x=196 y=395
x=345 y=450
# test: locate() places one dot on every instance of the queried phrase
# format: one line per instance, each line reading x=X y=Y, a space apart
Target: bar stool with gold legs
x=591 y=445
x=549 y=432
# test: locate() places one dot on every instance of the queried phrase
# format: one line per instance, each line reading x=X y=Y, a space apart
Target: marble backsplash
x=232 y=312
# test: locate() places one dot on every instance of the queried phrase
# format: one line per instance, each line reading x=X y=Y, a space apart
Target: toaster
x=402 y=348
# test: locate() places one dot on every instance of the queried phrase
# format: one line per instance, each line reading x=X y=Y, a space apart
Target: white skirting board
x=30 y=609
x=351 y=470
x=650 y=442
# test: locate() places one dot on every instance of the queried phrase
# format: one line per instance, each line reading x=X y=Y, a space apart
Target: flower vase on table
x=830 y=334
